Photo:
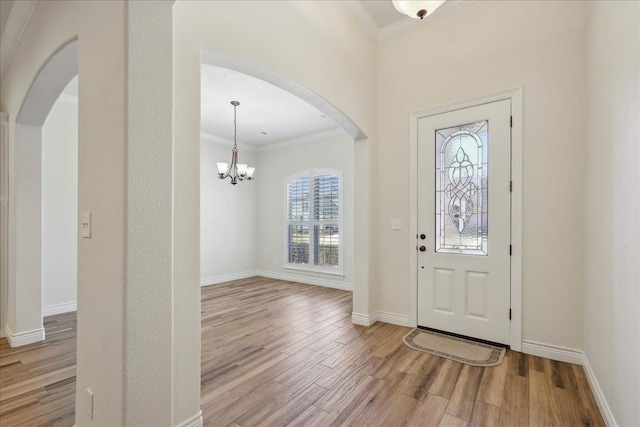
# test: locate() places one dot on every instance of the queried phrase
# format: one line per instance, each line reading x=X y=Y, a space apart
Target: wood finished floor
x=278 y=353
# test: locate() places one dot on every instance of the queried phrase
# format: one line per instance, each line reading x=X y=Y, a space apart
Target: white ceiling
x=263 y=108
x=382 y=20
x=382 y=12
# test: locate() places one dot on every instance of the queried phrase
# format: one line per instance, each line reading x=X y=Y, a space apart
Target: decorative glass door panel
x=461 y=168
x=463 y=272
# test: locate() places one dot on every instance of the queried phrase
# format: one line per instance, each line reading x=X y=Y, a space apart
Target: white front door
x=464 y=211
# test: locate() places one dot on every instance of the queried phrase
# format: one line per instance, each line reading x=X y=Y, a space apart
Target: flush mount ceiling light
x=236 y=171
x=417 y=9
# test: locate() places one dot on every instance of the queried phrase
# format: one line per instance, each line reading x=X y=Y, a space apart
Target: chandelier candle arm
x=236 y=171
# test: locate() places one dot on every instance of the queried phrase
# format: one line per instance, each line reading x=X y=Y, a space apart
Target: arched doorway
x=24 y=288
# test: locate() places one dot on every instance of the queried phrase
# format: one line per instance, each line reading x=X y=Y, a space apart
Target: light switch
x=86 y=225
x=396 y=224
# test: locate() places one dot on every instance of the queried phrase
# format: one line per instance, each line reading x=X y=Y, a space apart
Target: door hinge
x=511 y=186
x=511 y=121
x=509 y=314
x=510 y=250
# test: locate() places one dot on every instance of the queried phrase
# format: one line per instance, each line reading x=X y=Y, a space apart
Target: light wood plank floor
x=278 y=353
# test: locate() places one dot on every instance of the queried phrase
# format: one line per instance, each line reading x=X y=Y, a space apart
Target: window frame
x=311 y=222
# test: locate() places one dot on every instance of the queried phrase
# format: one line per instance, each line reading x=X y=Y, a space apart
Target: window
x=314 y=221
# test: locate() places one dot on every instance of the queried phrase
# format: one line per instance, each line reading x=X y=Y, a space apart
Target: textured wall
x=612 y=192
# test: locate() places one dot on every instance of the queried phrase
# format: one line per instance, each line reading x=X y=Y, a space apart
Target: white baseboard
x=379 y=316
x=561 y=354
x=394 y=319
x=227 y=278
x=24 y=338
x=307 y=280
x=59 y=308
x=195 y=421
x=363 y=319
x=605 y=410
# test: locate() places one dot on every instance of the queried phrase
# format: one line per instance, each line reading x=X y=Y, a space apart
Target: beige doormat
x=454 y=348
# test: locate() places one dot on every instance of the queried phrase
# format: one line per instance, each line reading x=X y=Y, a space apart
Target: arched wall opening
x=24 y=323
x=256 y=244
x=361 y=293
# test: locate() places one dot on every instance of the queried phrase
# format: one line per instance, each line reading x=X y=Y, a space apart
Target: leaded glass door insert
x=462 y=189
x=464 y=170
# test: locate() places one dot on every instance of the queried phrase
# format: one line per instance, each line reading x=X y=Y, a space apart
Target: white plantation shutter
x=314 y=221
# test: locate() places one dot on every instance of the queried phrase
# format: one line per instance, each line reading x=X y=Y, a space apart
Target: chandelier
x=417 y=9
x=236 y=171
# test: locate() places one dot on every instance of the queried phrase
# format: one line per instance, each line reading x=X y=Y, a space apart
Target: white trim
x=407 y=23
x=515 y=95
x=394 y=319
x=379 y=316
x=226 y=142
x=307 y=280
x=311 y=222
x=194 y=421
x=364 y=18
x=553 y=352
x=363 y=319
x=208 y=281
x=305 y=139
x=295 y=268
x=605 y=410
x=59 y=308
x=13 y=31
x=403 y=24
x=516 y=218
x=24 y=338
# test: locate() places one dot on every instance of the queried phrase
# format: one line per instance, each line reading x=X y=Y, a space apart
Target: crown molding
x=13 y=31
x=331 y=133
x=363 y=17
x=224 y=141
x=401 y=25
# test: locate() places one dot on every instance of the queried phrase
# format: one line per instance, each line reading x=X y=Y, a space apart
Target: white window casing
x=314 y=212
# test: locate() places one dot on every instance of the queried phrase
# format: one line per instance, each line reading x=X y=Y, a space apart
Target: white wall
x=336 y=153
x=60 y=209
x=612 y=191
x=228 y=217
x=481 y=49
x=4 y=219
x=27 y=238
x=335 y=62
x=242 y=226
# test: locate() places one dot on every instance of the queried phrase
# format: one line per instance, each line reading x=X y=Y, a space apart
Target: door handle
x=423 y=236
x=422 y=248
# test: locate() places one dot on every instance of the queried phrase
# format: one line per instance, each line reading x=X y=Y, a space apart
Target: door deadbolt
x=423 y=236
x=422 y=248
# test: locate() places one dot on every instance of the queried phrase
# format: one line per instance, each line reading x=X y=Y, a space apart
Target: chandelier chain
x=235 y=128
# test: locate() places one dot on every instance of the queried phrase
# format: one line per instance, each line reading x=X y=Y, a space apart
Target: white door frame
x=515 y=96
